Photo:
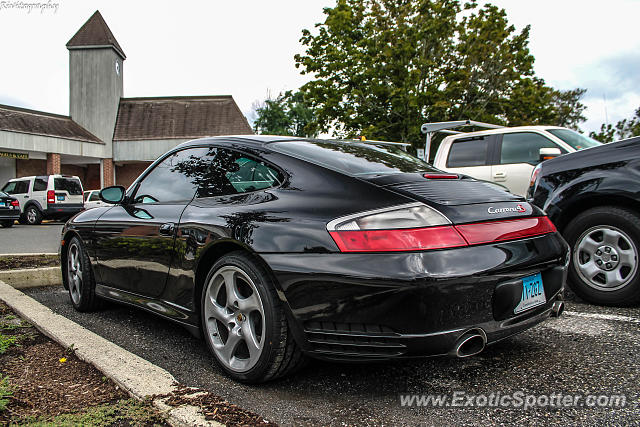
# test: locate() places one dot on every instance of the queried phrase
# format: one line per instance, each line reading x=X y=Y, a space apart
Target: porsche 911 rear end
x=461 y=265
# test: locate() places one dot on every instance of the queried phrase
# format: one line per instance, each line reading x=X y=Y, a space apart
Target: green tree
x=288 y=114
x=383 y=67
x=625 y=128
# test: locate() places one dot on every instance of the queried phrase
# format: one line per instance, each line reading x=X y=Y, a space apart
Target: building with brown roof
x=106 y=139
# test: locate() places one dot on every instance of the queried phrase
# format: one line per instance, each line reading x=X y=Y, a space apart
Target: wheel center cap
x=606 y=257
x=240 y=317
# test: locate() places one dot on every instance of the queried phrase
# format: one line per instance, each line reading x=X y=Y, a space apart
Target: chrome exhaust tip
x=471 y=343
x=557 y=309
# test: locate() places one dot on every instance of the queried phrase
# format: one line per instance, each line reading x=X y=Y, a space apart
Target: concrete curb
x=31 y=254
x=32 y=277
x=139 y=377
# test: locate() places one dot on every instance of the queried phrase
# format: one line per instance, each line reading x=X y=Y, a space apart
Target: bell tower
x=95 y=83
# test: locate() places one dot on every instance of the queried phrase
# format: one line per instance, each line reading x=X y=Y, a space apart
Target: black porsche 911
x=274 y=248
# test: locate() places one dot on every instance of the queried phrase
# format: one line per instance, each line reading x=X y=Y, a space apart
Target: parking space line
x=600 y=316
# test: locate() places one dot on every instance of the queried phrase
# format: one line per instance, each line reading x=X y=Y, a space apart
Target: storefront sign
x=14 y=155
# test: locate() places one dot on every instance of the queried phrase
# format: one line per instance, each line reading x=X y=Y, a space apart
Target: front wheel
x=604 y=262
x=80 y=278
x=244 y=322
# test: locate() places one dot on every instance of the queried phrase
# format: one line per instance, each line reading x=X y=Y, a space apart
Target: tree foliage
x=383 y=67
x=625 y=128
x=288 y=114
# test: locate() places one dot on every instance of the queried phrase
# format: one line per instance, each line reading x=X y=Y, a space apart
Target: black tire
x=7 y=224
x=82 y=293
x=280 y=355
x=617 y=220
x=32 y=215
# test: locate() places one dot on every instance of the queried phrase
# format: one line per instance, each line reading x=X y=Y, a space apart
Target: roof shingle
x=95 y=33
x=182 y=117
x=21 y=120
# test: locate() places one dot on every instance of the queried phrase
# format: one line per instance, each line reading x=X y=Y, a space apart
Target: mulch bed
x=43 y=384
x=28 y=261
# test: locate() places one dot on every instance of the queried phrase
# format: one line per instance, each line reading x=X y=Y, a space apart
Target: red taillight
x=408 y=239
x=496 y=231
x=51 y=196
x=440 y=237
x=441 y=176
x=15 y=203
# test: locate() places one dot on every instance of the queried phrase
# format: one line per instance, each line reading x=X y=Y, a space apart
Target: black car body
x=591 y=196
x=347 y=292
x=9 y=210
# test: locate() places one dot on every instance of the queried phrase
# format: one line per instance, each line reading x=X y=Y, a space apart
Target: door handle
x=167 y=229
x=500 y=176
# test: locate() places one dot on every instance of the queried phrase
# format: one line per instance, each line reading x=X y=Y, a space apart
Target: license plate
x=532 y=293
x=60 y=198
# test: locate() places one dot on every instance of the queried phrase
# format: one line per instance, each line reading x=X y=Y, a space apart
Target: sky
x=245 y=48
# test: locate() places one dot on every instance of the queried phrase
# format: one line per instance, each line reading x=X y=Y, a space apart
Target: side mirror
x=114 y=195
x=549 y=153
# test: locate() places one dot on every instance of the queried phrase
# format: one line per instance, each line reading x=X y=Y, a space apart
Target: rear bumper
x=380 y=306
x=62 y=209
x=8 y=214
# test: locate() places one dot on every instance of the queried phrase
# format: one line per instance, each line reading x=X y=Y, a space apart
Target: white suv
x=507 y=155
x=46 y=196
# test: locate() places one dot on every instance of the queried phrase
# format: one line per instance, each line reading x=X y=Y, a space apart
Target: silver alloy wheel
x=74 y=272
x=234 y=318
x=31 y=215
x=605 y=257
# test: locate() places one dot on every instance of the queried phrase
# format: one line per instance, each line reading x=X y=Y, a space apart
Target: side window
x=468 y=153
x=16 y=187
x=95 y=196
x=233 y=173
x=523 y=147
x=40 y=183
x=175 y=179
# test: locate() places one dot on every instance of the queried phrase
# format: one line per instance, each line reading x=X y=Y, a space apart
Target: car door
x=134 y=241
x=516 y=155
x=39 y=193
x=231 y=186
x=470 y=156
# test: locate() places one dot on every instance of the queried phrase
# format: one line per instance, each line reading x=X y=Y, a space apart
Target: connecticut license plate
x=60 y=198
x=532 y=293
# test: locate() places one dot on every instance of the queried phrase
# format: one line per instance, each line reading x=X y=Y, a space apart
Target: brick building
x=106 y=138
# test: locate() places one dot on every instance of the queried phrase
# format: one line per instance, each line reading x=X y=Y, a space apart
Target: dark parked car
x=277 y=247
x=9 y=210
x=593 y=197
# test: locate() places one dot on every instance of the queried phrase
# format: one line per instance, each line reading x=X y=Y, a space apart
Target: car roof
x=504 y=130
x=36 y=176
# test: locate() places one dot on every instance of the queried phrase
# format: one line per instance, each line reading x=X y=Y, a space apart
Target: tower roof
x=95 y=33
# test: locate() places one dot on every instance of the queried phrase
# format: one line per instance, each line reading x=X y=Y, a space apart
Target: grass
x=6 y=341
x=5 y=392
x=128 y=412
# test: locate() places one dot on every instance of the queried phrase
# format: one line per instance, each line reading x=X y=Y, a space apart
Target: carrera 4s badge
x=518 y=208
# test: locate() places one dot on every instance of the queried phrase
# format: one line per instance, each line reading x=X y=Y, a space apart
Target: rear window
x=353 y=158
x=2 y=194
x=70 y=185
x=468 y=153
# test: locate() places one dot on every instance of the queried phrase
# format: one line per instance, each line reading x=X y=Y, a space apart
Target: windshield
x=71 y=185
x=354 y=158
x=574 y=139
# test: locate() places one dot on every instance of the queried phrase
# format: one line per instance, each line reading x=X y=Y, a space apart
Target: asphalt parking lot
x=590 y=350
x=31 y=239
